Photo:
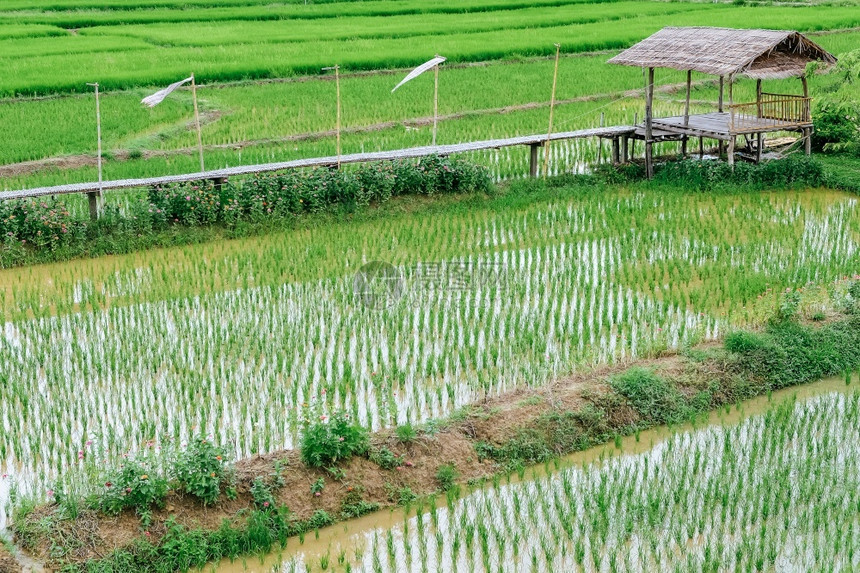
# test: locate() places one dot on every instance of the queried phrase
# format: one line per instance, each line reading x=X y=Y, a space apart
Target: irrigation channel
x=365 y=544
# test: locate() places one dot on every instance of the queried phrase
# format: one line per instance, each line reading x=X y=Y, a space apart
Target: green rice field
x=264 y=98
x=237 y=339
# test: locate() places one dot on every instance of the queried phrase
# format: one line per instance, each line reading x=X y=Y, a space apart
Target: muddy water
x=346 y=539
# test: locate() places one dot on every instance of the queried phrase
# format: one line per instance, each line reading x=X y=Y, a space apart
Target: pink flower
x=408 y=464
x=50 y=493
x=317 y=494
x=265 y=504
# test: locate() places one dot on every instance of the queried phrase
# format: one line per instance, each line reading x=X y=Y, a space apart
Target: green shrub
x=653 y=397
x=261 y=492
x=406 y=433
x=134 y=485
x=744 y=341
x=792 y=171
x=447 y=476
x=203 y=471
x=386 y=459
x=326 y=442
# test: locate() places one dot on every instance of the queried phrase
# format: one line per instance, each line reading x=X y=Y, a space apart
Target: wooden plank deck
x=716 y=125
x=413 y=152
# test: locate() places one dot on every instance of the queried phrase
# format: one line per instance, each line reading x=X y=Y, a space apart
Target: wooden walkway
x=721 y=125
x=221 y=175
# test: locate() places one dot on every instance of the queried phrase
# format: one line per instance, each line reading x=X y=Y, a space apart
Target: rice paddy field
x=264 y=98
x=238 y=339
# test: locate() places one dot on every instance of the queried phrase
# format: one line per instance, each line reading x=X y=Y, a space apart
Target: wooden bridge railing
x=220 y=176
x=771 y=111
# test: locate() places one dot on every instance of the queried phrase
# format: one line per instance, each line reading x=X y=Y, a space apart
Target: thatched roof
x=759 y=54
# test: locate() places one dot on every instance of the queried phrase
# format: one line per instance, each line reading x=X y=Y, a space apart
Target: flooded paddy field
x=240 y=340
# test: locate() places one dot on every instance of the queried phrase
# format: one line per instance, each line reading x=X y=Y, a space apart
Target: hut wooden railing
x=770 y=111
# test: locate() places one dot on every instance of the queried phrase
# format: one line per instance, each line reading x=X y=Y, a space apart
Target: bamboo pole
x=551 y=109
x=197 y=122
x=435 y=99
x=337 y=85
x=336 y=69
x=95 y=198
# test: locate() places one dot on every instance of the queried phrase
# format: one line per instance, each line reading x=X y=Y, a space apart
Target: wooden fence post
x=649 y=101
x=533 y=159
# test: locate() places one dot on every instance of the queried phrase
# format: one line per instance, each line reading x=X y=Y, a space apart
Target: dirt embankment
x=8 y=563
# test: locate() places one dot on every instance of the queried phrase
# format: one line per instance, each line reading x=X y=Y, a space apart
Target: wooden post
x=551 y=109
x=701 y=147
x=806 y=111
x=758 y=97
x=219 y=182
x=616 y=151
x=687 y=112
x=197 y=122
x=624 y=141
x=533 y=159
x=731 y=152
x=731 y=89
x=649 y=100
x=720 y=145
x=95 y=197
x=758 y=143
x=435 y=101
x=807 y=141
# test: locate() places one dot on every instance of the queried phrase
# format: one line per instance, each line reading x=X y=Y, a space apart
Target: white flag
x=420 y=70
x=159 y=96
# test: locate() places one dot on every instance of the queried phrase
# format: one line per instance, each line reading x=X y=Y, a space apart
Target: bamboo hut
x=727 y=53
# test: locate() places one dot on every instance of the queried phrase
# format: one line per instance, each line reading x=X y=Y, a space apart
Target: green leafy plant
x=203 y=471
x=406 y=433
x=386 y=459
x=652 y=396
x=136 y=484
x=447 y=476
x=317 y=487
x=331 y=440
x=262 y=495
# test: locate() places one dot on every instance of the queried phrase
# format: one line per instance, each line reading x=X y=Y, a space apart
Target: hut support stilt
x=649 y=145
x=720 y=109
x=758 y=145
x=807 y=133
x=687 y=112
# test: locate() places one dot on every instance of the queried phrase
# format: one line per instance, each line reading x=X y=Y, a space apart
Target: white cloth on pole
x=159 y=96
x=420 y=70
